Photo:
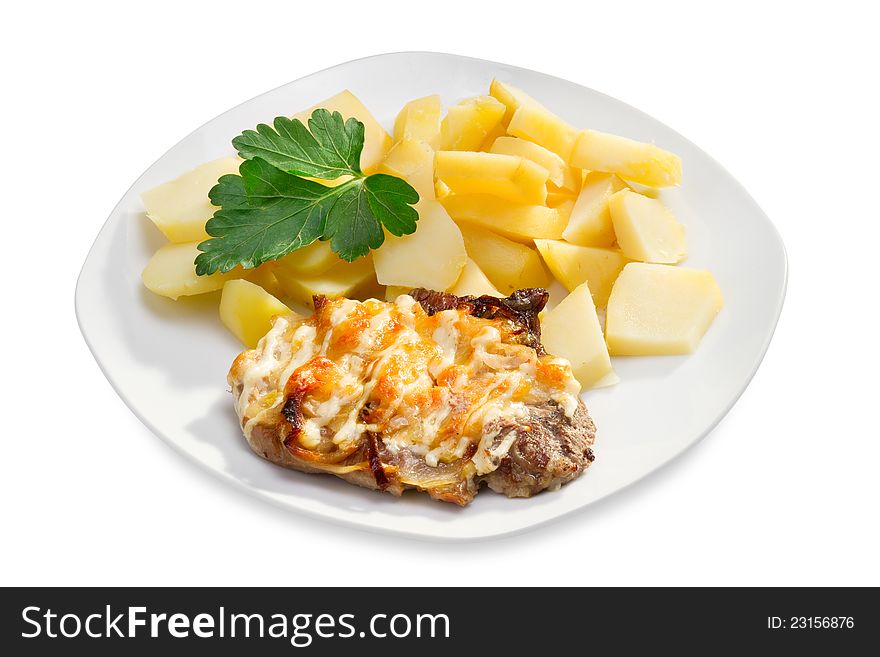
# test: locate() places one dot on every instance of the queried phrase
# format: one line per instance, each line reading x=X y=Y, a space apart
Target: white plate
x=168 y=360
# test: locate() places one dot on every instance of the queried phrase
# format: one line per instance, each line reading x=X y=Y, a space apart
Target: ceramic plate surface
x=168 y=360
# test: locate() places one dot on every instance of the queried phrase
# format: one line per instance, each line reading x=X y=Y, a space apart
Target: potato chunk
x=632 y=160
x=474 y=282
x=441 y=189
x=344 y=279
x=573 y=265
x=590 y=221
x=247 y=310
x=509 y=265
x=537 y=154
x=467 y=124
x=505 y=176
x=572 y=330
x=264 y=276
x=432 y=257
x=516 y=221
x=495 y=133
x=512 y=97
x=419 y=120
x=377 y=142
x=394 y=291
x=171 y=272
x=181 y=207
x=316 y=258
x=660 y=309
x=541 y=126
x=646 y=230
x=414 y=162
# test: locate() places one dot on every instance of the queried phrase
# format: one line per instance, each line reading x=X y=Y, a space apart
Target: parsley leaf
x=269 y=210
x=265 y=214
x=330 y=148
x=354 y=225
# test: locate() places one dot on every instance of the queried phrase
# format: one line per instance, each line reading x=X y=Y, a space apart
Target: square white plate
x=168 y=360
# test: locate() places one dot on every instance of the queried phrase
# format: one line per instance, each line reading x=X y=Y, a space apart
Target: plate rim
x=490 y=533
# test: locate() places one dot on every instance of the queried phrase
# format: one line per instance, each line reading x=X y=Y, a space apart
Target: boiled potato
x=377 y=142
x=344 y=279
x=590 y=221
x=247 y=310
x=432 y=257
x=555 y=199
x=264 y=276
x=512 y=97
x=495 y=133
x=414 y=162
x=541 y=126
x=646 y=230
x=610 y=379
x=537 y=154
x=467 y=124
x=394 y=291
x=441 y=189
x=419 y=120
x=564 y=208
x=181 y=207
x=516 y=221
x=509 y=265
x=660 y=309
x=633 y=160
x=573 y=265
x=506 y=176
x=311 y=260
x=572 y=330
x=572 y=181
x=171 y=272
x=474 y=282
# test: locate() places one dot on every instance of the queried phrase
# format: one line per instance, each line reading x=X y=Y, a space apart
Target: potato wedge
x=414 y=162
x=264 y=276
x=515 y=221
x=377 y=142
x=590 y=221
x=311 y=260
x=180 y=208
x=572 y=330
x=171 y=272
x=419 y=120
x=537 y=154
x=573 y=265
x=467 y=124
x=660 y=309
x=394 y=291
x=356 y=280
x=512 y=97
x=441 y=190
x=632 y=160
x=509 y=265
x=432 y=257
x=495 y=133
x=474 y=282
x=505 y=176
x=646 y=229
x=247 y=310
x=541 y=126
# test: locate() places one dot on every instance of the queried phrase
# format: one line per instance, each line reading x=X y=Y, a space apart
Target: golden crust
x=421 y=378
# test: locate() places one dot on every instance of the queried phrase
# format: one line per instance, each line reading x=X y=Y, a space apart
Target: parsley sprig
x=271 y=208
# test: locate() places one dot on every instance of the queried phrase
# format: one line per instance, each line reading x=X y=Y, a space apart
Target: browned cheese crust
x=549 y=447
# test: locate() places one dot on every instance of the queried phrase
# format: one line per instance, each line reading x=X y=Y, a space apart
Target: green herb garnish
x=270 y=209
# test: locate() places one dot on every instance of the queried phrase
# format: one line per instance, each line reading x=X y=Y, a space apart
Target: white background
x=784 y=491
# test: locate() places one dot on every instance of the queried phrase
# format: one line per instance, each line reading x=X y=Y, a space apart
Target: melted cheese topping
x=441 y=387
